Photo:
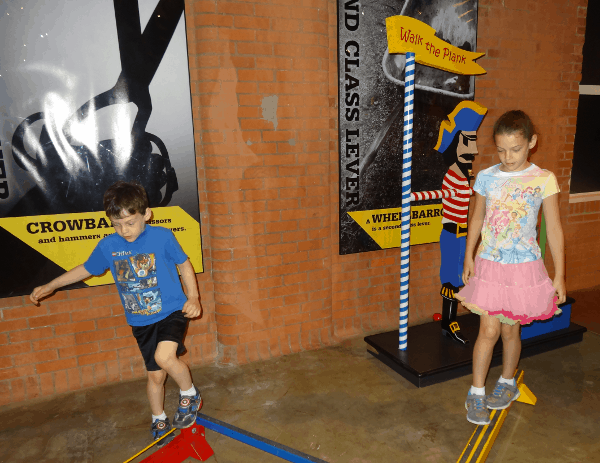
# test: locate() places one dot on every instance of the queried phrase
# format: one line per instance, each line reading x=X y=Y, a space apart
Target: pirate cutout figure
x=457 y=142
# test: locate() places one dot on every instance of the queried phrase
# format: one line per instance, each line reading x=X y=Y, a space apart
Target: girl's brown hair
x=515 y=121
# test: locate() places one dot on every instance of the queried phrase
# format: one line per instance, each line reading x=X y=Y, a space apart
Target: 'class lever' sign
x=408 y=34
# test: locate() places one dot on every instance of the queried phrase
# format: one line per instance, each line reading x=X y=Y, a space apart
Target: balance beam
x=266 y=445
x=482 y=439
x=191 y=443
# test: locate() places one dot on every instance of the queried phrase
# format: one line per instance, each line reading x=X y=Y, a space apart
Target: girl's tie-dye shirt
x=512 y=203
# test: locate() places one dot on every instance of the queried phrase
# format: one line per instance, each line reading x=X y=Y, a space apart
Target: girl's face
x=513 y=150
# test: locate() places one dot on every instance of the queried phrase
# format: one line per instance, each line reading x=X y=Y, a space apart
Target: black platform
x=432 y=358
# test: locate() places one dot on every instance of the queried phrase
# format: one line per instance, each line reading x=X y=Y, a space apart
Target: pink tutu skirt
x=511 y=292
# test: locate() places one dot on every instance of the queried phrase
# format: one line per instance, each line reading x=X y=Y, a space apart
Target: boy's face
x=130 y=226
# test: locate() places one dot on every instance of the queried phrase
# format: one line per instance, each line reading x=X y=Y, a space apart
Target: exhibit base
x=432 y=358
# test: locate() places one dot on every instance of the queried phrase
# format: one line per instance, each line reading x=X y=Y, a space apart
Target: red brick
x=17 y=387
x=56 y=365
x=61 y=383
x=24 y=312
x=76 y=351
x=118 y=343
x=54 y=343
x=204 y=6
x=217 y=20
x=74 y=378
x=114 y=321
x=245 y=22
x=257 y=50
x=97 y=335
x=68 y=305
x=77 y=327
x=46 y=384
x=35 y=357
x=28 y=335
x=113 y=371
x=272 y=11
x=108 y=299
x=32 y=387
x=15 y=348
x=89 y=292
x=87 y=376
x=100 y=374
x=13 y=325
x=99 y=312
x=96 y=358
x=49 y=320
x=16 y=301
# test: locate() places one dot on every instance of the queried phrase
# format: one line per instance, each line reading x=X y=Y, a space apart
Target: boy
x=143 y=261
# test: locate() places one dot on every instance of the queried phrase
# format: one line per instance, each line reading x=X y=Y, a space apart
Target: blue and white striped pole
x=409 y=96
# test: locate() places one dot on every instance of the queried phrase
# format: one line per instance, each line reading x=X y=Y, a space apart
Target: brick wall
x=582 y=234
x=264 y=96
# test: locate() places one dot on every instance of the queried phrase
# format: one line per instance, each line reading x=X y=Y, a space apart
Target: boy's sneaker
x=502 y=396
x=185 y=416
x=159 y=429
x=477 y=412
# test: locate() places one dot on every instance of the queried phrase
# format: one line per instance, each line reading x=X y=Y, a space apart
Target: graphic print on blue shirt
x=144 y=265
x=135 y=276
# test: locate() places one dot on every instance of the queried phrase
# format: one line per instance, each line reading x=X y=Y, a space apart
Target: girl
x=508 y=289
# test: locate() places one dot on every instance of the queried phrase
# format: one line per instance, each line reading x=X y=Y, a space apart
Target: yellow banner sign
x=408 y=34
x=69 y=239
x=383 y=225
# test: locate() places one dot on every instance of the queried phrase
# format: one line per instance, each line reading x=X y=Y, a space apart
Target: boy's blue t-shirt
x=145 y=273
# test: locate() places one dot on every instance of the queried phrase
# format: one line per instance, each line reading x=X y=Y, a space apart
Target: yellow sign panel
x=383 y=225
x=408 y=34
x=69 y=239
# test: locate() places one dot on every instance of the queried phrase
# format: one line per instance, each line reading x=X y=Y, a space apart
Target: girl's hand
x=468 y=270
x=561 y=289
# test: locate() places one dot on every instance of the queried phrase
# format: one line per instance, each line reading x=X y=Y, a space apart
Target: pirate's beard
x=466 y=168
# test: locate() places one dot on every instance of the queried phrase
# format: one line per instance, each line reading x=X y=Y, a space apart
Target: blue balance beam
x=261 y=443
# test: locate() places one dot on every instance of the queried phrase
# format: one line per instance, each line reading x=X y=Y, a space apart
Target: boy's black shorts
x=171 y=328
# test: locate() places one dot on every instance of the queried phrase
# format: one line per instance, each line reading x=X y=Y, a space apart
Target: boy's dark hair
x=515 y=121
x=125 y=196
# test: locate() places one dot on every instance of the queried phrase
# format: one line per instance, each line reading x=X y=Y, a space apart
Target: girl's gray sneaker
x=502 y=396
x=477 y=412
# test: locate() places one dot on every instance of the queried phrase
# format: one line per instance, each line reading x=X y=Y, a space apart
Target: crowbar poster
x=91 y=92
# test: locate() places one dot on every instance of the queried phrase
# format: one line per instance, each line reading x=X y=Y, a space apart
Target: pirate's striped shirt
x=456 y=209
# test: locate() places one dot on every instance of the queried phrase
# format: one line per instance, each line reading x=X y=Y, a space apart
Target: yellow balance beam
x=153 y=443
x=482 y=439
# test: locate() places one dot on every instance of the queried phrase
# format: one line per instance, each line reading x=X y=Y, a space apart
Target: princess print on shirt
x=513 y=203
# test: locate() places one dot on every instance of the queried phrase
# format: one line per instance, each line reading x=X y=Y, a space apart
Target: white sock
x=190 y=392
x=159 y=417
x=477 y=390
x=511 y=381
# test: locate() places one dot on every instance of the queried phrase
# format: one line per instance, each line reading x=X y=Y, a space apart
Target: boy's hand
x=40 y=292
x=192 y=308
x=561 y=289
x=468 y=270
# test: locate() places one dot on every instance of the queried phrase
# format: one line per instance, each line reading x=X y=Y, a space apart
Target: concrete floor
x=338 y=404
